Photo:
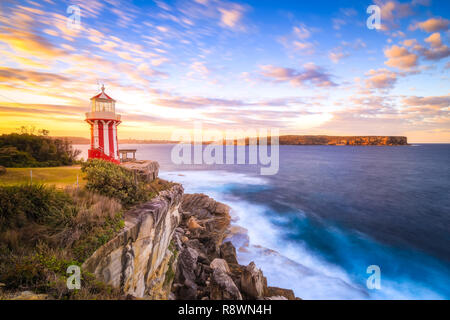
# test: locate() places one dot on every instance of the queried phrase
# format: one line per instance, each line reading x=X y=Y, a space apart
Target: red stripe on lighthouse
x=111 y=139
x=101 y=142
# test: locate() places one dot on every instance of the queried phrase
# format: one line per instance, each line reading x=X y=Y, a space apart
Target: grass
x=44 y=229
x=58 y=176
x=48 y=225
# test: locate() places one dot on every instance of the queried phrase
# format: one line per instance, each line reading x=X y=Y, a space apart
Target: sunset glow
x=301 y=67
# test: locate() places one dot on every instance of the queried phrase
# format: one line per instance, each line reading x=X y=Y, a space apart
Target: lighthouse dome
x=102 y=107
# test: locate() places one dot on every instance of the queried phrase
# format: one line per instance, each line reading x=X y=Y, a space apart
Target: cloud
x=437 y=50
x=432 y=102
x=392 y=12
x=380 y=79
x=200 y=68
x=296 y=41
x=410 y=42
x=432 y=25
x=337 y=54
x=29 y=43
x=337 y=23
x=434 y=40
x=230 y=17
x=310 y=75
x=301 y=31
x=400 y=58
x=8 y=75
x=304 y=47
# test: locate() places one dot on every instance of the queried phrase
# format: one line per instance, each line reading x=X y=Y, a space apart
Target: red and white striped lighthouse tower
x=104 y=121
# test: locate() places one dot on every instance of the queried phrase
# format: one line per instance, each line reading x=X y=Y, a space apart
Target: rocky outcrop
x=139 y=258
x=148 y=170
x=172 y=248
x=207 y=268
x=343 y=140
x=223 y=287
x=253 y=282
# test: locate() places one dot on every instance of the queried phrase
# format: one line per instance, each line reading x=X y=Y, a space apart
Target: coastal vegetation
x=44 y=228
x=114 y=181
x=27 y=149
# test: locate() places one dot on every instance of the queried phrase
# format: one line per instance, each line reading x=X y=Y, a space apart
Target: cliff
x=172 y=248
x=343 y=140
x=136 y=260
x=207 y=268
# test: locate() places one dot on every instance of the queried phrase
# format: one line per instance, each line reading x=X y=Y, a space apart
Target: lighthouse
x=104 y=121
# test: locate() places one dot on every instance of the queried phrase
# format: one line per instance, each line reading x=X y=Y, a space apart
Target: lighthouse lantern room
x=104 y=121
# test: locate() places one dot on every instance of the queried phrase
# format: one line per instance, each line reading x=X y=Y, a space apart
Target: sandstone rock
x=220 y=264
x=2 y=170
x=228 y=252
x=223 y=287
x=193 y=224
x=135 y=260
x=202 y=206
x=187 y=265
x=253 y=283
x=287 y=293
x=213 y=216
x=148 y=170
x=275 y=298
x=179 y=230
x=205 y=223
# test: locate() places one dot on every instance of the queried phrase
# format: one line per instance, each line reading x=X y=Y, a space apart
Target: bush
x=30 y=150
x=33 y=203
x=11 y=157
x=114 y=181
x=43 y=230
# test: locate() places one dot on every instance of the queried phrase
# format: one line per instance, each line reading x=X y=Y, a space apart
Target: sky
x=302 y=67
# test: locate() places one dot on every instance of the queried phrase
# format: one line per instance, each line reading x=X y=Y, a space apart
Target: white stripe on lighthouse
x=115 y=140
x=96 y=145
x=105 y=137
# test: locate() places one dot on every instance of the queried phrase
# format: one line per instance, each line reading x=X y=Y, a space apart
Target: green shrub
x=11 y=157
x=43 y=230
x=33 y=203
x=30 y=150
x=114 y=181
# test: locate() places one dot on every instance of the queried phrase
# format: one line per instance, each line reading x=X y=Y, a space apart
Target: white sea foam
x=286 y=264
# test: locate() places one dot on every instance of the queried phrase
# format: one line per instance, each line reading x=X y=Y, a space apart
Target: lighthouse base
x=98 y=154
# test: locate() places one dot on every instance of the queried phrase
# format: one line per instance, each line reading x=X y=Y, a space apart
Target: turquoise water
x=331 y=212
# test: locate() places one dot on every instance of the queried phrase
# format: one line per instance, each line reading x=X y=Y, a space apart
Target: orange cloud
x=432 y=25
x=381 y=79
x=26 y=42
x=400 y=57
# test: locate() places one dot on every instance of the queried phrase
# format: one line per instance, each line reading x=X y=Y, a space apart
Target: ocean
x=331 y=212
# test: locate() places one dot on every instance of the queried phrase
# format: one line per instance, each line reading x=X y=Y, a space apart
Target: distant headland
x=291 y=140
